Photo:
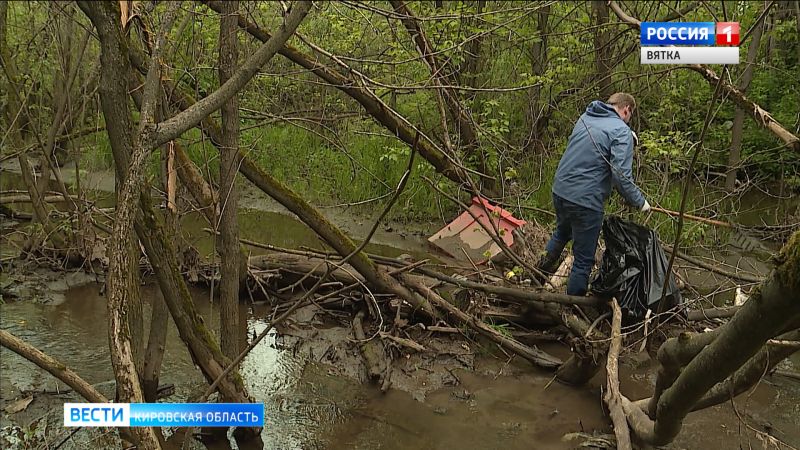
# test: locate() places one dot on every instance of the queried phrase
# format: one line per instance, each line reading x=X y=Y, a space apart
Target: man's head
x=624 y=104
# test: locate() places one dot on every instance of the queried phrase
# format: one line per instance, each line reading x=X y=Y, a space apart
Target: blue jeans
x=582 y=226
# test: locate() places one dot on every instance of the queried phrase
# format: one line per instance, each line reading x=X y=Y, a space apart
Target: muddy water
x=501 y=404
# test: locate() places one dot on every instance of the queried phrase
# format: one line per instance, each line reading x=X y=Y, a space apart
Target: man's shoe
x=547 y=264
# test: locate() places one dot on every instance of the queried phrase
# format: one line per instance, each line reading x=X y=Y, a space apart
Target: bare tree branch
x=177 y=125
x=762 y=117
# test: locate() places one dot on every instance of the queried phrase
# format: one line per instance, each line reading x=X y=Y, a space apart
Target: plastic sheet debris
x=633 y=269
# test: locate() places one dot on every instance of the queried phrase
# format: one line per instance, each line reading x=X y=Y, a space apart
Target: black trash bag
x=633 y=269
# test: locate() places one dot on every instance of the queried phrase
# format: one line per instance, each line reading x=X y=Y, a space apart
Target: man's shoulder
x=612 y=125
x=619 y=129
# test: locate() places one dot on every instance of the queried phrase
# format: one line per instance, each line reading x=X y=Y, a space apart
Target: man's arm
x=622 y=168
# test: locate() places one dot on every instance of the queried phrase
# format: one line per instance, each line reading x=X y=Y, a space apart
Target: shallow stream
x=503 y=403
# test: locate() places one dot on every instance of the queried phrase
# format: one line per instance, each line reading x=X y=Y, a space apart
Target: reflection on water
x=302 y=401
x=310 y=406
x=285 y=231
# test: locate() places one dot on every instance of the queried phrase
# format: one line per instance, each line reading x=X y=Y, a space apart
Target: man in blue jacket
x=599 y=154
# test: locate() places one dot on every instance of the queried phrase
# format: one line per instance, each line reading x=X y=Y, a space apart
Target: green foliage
x=326 y=150
x=668 y=150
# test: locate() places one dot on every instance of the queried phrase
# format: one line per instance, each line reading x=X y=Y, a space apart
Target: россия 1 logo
x=689 y=42
x=728 y=33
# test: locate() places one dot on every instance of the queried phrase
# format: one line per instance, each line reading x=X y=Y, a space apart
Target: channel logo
x=728 y=33
x=163 y=414
x=675 y=33
x=689 y=42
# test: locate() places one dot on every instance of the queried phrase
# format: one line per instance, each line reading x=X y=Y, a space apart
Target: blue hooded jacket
x=586 y=171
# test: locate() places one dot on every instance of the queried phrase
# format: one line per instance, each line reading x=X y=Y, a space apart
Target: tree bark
x=154 y=353
x=294 y=267
x=612 y=395
x=228 y=167
x=537 y=119
x=371 y=350
x=122 y=286
x=201 y=191
x=148 y=137
x=749 y=374
x=735 y=157
x=470 y=68
x=602 y=50
x=160 y=251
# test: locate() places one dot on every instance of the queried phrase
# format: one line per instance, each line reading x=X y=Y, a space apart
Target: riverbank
x=461 y=394
x=312 y=378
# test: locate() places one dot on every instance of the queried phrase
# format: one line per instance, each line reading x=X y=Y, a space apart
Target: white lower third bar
x=690 y=55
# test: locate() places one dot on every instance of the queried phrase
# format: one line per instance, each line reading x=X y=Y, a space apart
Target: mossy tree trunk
x=228 y=168
x=125 y=337
x=773 y=308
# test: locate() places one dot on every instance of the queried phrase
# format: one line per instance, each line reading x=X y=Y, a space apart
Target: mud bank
x=460 y=394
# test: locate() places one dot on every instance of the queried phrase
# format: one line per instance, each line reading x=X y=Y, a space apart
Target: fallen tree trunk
x=12 y=214
x=302 y=264
x=303 y=267
x=695 y=315
x=52 y=366
x=532 y=354
x=514 y=294
x=13 y=199
x=371 y=350
x=578 y=369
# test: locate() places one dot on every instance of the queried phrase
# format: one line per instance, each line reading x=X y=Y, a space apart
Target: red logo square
x=728 y=33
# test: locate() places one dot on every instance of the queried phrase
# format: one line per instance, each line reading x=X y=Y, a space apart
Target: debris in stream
x=468 y=235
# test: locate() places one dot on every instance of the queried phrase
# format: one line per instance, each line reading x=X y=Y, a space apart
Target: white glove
x=646 y=206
